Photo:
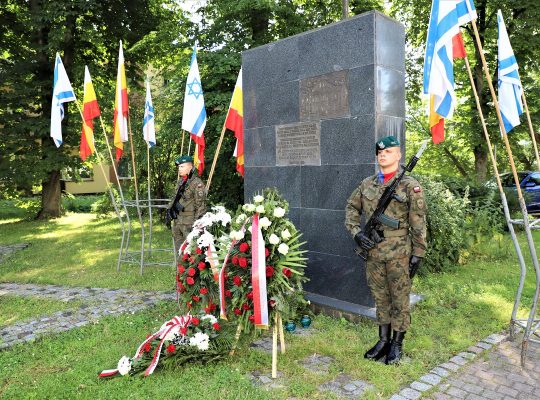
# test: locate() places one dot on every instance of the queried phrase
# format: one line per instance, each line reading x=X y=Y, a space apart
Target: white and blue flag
x=194 y=115
x=149 y=129
x=510 y=89
x=62 y=93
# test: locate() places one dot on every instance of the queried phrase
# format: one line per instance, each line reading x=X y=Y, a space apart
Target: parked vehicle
x=529 y=182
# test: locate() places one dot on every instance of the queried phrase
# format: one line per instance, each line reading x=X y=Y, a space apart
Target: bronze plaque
x=324 y=96
x=298 y=144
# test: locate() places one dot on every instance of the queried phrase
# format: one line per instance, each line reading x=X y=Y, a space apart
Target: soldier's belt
x=395 y=233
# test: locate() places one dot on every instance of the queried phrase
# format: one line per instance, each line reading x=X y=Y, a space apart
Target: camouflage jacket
x=410 y=238
x=193 y=200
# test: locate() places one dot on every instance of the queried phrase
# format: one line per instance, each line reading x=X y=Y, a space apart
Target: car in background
x=529 y=182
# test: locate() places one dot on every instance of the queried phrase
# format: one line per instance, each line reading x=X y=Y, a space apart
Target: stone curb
x=437 y=375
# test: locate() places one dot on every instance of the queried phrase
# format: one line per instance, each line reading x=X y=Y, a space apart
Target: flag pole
x=133 y=162
x=149 y=200
x=530 y=241
x=531 y=129
x=182 y=147
x=216 y=155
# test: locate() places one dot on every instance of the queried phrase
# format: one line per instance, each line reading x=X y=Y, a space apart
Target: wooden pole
x=182 y=147
x=497 y=108
x=133 y=163
x=218 y=148
x=236 y=339
x=281 y=335
x=344 y=9
x=531 y=130
x=274 y=347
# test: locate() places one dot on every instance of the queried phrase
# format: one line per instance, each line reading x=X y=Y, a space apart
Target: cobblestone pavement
x=97 y=303
x=7 y=250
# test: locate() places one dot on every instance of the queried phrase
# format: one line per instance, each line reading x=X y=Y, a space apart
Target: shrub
x=79 y=203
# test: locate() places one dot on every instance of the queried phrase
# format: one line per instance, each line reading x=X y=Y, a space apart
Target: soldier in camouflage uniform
x=392 y=263
x=191 y=204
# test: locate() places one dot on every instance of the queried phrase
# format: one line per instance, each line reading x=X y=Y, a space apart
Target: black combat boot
x=396 y=348
x=380 y=349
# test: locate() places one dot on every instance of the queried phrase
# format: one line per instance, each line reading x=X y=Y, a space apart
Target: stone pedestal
x=314 y=106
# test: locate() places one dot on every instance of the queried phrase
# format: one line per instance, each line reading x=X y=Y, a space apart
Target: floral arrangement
x=183 y=339
x=198 y=268
x=284 y=262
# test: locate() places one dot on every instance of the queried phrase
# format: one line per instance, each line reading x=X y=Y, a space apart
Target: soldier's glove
x=414 y=264
x=168 y=220
x=363 y=241
x=172 y=213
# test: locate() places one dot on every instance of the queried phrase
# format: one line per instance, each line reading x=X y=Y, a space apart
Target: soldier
x=189 y=202
x=392 y=263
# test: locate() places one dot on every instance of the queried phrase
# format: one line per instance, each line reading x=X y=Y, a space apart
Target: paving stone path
x=7 y=250
x=96 y=303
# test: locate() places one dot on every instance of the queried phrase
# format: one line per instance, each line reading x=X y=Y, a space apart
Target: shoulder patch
x=417 y=189
x=200 y=185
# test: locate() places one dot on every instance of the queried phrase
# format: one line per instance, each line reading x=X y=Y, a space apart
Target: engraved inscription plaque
x=298 y=144
x=324 y=96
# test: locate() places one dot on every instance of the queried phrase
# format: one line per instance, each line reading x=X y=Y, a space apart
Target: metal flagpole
x=507 y=216
x=531 y=129
x=530 y=240
x=149 y=201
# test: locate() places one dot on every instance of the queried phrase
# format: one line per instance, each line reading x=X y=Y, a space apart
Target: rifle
x=176 y=207
x=370 y=236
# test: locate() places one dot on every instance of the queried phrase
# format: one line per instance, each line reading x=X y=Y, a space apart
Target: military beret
x=385 y=143
x=183 y=159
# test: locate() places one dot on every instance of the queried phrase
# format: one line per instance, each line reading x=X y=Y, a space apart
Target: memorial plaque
x=324 y=96
x=298 y=144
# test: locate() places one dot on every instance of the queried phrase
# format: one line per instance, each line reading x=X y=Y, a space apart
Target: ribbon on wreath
x=212 y=258
x=258 y=275
x=179 y=286
x=179 y=323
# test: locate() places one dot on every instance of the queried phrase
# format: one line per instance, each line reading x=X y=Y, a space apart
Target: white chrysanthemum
x=201 y=340
x=248 y=207
x=241 y=218
x=124 y=365
x=286 y=234
x=258 y=199
x=212 y=319
x=283 y=249
x=205 y=240
x=191 y=236
x=224 y=218
x=219 y=209
x=260 y=209
x=265 y=222
x=279 y=212
x=273 y=239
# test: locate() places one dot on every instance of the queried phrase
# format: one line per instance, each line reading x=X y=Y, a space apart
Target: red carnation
x=266 y=252
x=198 y=250
x=235 y=260
x=181 y=269
x=191 y=260
x=228 y=293
x=204 y=290
x=269 y=271
x=237 y=280
x=195 y=321
x=272 y=303
x=147 y=347
x=250 y=295
x=216 y=326
x=196 y=298
x=245 y=306
x=185 y=256
x=212 y=307
x=244 y=247
x=287 y=272
x=252 y=318
x=202 y=265
x=191 y=271
x=171 y=348
x=237 y=311
x=181 y=288
x=190 y=281
x=242 y=262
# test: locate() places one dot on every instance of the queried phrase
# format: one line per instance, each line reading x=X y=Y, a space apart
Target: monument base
x=343 y=309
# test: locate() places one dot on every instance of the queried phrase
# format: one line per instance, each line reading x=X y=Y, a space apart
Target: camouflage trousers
x=180 y=231
x=390 y=286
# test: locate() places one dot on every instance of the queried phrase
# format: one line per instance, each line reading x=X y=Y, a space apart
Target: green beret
x=385 y=143
x=183 y=159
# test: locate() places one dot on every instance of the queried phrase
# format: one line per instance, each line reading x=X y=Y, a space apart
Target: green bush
x=80 y=203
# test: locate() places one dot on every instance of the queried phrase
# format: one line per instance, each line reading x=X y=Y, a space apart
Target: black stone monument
x=314 y=106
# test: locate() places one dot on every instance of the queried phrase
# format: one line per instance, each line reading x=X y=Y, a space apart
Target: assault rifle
x=370 y=236
x=176 y=207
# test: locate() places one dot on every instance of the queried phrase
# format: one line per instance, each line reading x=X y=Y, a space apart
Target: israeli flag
x=194 y=115
x=510 y=89
x=62 y=93
x=149 y=130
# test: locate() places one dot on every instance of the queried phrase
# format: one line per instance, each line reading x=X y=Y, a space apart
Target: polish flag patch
x=417 y=189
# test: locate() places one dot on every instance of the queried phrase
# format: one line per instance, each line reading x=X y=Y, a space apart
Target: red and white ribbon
x=258 y=275
x=178 y=288
x=179 y=323
x=212 y=258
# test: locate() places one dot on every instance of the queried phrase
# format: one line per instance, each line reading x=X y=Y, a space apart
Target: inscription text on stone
x=298 y=144
x=324 y=96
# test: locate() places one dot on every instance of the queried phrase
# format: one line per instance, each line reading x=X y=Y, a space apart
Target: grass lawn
x=461 y=306
x=15 y=308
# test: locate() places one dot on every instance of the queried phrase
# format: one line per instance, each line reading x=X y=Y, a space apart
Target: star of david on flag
x=195 y=88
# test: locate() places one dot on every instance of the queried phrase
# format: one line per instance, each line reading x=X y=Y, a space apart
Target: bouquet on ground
x=184 y=339
x=198 y=266
x=263 y=269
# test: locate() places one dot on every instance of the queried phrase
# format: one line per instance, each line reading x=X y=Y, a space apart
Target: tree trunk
x=50 y=196
x=480 y=162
